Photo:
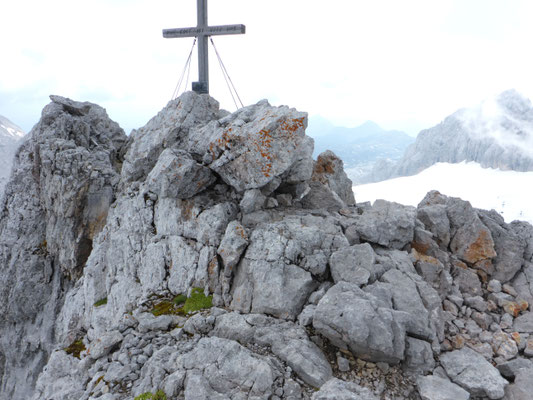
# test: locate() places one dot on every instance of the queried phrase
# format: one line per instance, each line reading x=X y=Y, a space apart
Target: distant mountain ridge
x=358 y=147
x=10 y=138
x=496 y=134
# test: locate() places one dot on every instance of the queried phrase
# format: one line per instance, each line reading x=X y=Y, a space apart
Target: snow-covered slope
x=508 y=192
x=496 y=134
x=8 y=130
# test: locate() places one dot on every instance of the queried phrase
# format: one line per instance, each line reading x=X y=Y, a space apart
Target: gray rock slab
x=353 y=264
x=524 y=323
x=291 y=344
x=329 y=170
x=509 y=369
x=232 y=246
x=336 y=389
x=522 y=387
x=388 y=224
x=148 y=322
x=177 y=175
x=104 y=344
x=248 y=154
x=435 y=388
x=222 y=367
x=352 y=319
x=475 y=374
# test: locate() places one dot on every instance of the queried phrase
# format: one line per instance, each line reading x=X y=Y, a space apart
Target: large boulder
x=170 y=127
x=387 y=224
x=354 y=320
x=255 y=145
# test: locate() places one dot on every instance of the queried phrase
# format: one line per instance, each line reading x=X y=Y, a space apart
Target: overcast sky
x=403 y=64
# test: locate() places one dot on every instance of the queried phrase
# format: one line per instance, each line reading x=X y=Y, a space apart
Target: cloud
x=506 y=118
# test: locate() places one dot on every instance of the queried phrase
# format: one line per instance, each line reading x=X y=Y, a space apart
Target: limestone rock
x=330 y=187
x=168 y=128
x=218 y=367
x=103 y=345
x=509 y=247
x=470 y=370
x=353 y=264
x=64 y=378
x=255 y=145
x=177 y=175
x=522 y=387
x=353 y=320
x=435 y=388
x=335 y=389
x=388 y=224
x=524 y=323
x=57 y=201
x=233 y=244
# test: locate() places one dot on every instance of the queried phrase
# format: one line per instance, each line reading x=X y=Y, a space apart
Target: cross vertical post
x=203 y=49
x=202 y=31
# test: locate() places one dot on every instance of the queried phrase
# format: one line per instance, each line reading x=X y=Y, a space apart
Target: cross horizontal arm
x=205 y=31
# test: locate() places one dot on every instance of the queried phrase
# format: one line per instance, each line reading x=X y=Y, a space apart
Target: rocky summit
x=208 y=256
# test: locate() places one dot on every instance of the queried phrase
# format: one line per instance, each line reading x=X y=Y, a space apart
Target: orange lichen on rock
x=512 y=308
x=241 y=232
x=424 y=258
x=481 y=249
x=421 y=248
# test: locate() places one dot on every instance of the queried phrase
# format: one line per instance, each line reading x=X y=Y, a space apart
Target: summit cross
x=202 y=32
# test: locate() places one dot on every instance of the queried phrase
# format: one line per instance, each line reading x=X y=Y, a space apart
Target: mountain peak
x=9 y=130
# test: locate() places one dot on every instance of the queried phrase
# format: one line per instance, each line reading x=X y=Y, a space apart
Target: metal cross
x=202 y=32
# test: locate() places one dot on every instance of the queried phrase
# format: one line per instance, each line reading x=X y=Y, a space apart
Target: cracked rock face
x=210 y=257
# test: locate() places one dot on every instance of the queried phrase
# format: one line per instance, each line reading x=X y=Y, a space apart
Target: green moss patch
x=198 y=301
x=182 y=305
x=75 y=348
x=101 y=302
x=159 y=395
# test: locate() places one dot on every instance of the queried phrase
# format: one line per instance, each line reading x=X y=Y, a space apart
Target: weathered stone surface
x=510 y=368
x=388 y=224
x=353 y=264
x=292 y=345
x=103 y=345
x=524 y=323
x=352 y=319
x=255 y=145
x=232 y=246
x=330 y=187
x=509 y=247
x=177 y=175
x=250 y=241
x=435 y=219
x=435 y=388
x=273 y=276
x=168 y=128
x=223 y=367
x=419 y=355
x=321 y=197
x=329 y=170
x=64 y=378
x=335 y=389
x=522 y=387
x=470 y=370
x=148 y=322
x=62 y=184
